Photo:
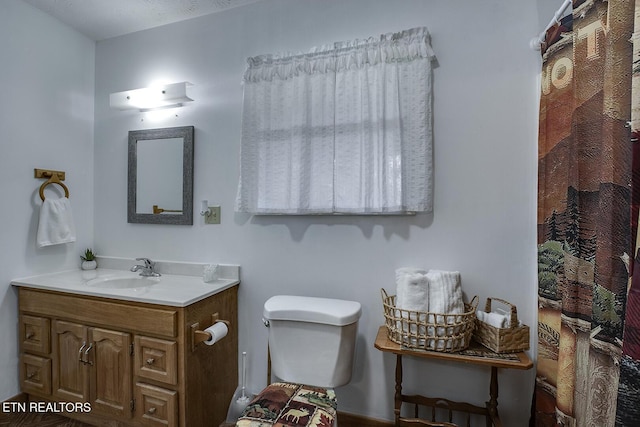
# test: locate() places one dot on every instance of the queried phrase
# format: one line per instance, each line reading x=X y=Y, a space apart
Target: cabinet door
x=70 y=380
x=110 y=362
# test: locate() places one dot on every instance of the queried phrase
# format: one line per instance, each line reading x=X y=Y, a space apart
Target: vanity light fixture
x=151 y=98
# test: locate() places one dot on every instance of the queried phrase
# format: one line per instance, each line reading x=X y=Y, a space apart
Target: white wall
x=485 y=108
x=46 y=121
x=483 y=224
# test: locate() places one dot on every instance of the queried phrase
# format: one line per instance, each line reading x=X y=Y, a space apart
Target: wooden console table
x=490 y=411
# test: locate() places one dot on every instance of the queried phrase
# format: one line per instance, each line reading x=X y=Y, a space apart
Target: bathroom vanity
x=129 y=351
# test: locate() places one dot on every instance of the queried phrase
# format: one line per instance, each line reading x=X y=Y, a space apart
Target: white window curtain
x=341 y=129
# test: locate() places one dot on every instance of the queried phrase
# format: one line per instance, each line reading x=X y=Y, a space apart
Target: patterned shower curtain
x=588 y=364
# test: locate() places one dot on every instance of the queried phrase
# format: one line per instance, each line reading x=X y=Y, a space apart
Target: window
x=342 y=129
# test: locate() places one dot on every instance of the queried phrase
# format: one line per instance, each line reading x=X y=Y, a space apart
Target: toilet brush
x=244 y=399
x=240 y=398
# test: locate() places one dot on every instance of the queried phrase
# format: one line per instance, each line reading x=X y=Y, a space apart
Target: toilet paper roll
x=217 y=331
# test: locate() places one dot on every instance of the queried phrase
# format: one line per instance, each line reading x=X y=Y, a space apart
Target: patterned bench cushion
x=287 y=404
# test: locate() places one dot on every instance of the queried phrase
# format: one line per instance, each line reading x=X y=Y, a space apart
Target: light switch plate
x=214 y=215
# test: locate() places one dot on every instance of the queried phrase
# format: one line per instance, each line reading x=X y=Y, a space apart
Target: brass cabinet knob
x=152 y=411
x=150 y=361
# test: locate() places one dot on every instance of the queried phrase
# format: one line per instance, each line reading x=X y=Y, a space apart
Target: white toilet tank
x=312 y=340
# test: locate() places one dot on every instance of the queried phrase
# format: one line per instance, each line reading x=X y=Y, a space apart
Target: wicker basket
x=502 y=340
x=429 y=331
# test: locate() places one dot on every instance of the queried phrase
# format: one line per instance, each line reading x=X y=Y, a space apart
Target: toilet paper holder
x=199 y=335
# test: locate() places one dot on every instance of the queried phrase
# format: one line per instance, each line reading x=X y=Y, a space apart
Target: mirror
x=161 y=176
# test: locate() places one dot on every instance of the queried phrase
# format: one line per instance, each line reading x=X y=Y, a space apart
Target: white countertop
x=172 y=289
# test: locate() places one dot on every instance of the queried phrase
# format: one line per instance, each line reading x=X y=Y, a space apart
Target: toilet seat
x=291 y=404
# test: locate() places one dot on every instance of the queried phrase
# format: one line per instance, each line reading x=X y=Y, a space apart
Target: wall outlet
x=214 y=215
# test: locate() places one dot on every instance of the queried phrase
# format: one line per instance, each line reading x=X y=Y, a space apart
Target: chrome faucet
x=147 y=270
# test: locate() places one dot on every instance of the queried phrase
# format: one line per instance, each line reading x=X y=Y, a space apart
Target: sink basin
x=123 y=282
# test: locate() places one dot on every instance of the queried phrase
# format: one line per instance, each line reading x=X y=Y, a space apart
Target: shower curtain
x=588 y=364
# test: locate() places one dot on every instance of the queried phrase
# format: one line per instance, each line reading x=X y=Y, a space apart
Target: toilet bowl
x=311 y=349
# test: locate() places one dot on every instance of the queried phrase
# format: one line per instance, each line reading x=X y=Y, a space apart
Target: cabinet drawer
x=35 y=334
x=156 y=359
x=35 y=374
x=156 y=406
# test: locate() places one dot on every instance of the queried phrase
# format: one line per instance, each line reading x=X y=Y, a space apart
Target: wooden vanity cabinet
x=135 y=363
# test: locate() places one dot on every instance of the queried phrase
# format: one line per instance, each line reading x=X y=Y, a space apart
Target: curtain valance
x=393 y=47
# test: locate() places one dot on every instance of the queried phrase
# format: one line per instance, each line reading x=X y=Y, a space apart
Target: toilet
x=311 y=348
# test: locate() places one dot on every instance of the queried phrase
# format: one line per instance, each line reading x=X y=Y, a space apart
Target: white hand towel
x=56 y=223
x=445 y=292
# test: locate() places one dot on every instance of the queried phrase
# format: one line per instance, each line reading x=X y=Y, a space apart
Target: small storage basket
x=502 y=340
x=429 y=331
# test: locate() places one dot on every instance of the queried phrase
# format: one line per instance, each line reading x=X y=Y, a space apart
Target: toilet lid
x=312 y=309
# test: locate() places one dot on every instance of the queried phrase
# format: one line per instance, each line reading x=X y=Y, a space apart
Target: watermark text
x=57 y=407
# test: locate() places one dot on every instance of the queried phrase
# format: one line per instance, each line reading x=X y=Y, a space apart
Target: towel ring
x=54 y=180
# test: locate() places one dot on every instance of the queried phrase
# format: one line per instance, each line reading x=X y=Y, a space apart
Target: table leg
x=492 y=405
x=398 y=394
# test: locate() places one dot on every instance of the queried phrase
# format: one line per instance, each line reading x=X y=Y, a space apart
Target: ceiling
x=103 y=19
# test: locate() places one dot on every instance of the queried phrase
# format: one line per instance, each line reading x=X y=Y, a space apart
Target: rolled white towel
x=401 y=278
x=507 y=316
x=494 y=319
x=408 y=270
x=445 y=292
x=412 y=292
